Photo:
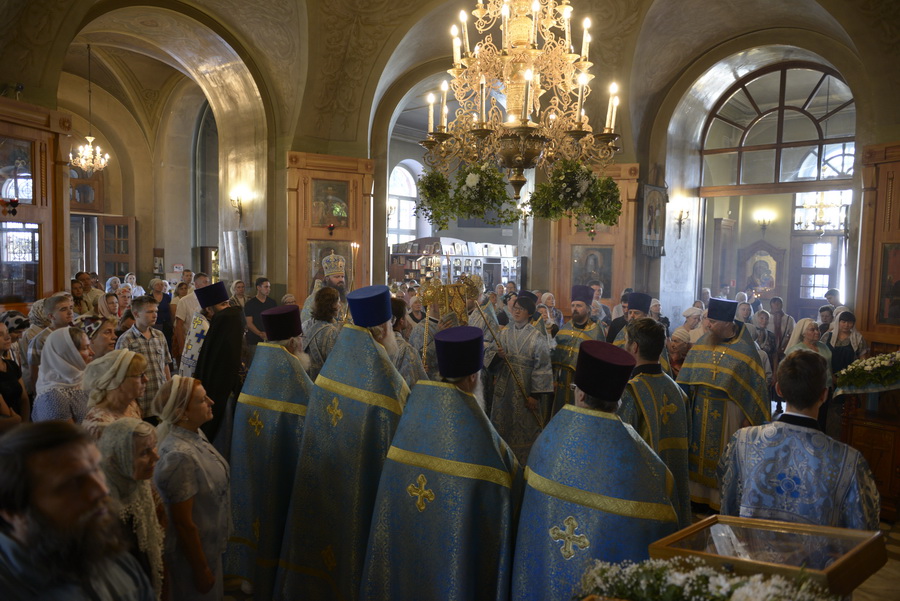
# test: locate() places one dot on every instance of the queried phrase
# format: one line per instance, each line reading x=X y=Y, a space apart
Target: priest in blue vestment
x=268 y=426
x=353 y=412
x=443 y=526
x=790 y=470
x=564 y=355
x=594 y=489
x=727 y=390
x=656 y=407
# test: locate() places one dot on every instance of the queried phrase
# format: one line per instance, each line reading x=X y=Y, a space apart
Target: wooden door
x=116 y=241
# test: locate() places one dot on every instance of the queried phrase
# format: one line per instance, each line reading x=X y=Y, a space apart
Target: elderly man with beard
x=455 y=492
x=568 y=339
x=60 y=537
x=333 y=270
x=727 y=389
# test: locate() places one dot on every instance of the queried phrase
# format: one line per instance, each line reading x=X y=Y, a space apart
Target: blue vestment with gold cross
x=564 y=355
x=594 y=491
x=656 y=407
x=728 y=386
x=353 y=413
x=443 y=525
x=268 y=427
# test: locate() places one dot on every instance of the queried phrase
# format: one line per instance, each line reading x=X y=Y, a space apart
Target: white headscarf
x=171 y=402
x=103 y=309
x=62 y=366
x=856 y=339
x=116 y=444
x=106 y=373
x=797 y=334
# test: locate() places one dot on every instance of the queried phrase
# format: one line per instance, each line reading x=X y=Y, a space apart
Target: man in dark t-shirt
x=253 y=311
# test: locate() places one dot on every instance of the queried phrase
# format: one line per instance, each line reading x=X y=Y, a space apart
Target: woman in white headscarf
x=112 y=284
x=129 y=454
x=193 y=480
x=64 y=358
x=805 y=337
x=136 y=290
x=114 y=382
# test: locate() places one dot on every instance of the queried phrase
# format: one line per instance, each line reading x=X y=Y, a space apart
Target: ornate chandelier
x=521 y=96
x=90 y=158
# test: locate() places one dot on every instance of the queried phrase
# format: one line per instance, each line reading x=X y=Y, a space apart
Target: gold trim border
x=623 y=507
x=272 y=404
x=450 y=467
x=358 y=394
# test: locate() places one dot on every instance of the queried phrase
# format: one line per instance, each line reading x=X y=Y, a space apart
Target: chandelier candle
x=430 y=112
x=612 y=123
x=613 y=90
x=525 y=102
x=586 y=40
x=463 y=17
x=444 y=87
x=457 y=45
x=483 y=97
x=536 y=16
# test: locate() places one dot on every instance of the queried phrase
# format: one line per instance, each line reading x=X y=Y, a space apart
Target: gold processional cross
x=255 y=422
x=716 y=358
x=335 y=413
x=421 y=492
x=569 y=538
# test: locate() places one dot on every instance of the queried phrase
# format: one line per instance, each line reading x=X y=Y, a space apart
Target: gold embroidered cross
x=667 y=410
x=569 y=538
x=335 y=413
x=421 y=492
x=255 y=422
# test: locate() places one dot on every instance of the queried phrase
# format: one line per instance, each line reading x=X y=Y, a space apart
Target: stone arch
x=214 y=62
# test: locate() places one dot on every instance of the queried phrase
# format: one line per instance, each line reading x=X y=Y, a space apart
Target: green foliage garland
x=480 y=192
x=880 y=370
x=434 y=202
x=574 y=190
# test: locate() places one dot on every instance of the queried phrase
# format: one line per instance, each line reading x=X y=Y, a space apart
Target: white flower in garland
x=472 y=180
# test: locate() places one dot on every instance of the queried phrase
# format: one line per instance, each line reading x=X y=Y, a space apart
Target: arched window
x=402 y=196
x=205 y=205
x=783 y=138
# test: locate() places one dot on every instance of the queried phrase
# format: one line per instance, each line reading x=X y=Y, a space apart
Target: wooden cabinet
x=877 y=436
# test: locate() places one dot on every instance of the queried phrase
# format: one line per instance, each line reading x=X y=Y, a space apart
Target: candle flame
x=445 y=86
x=430 y=98
x=587 y=22
x=613 y=88
x=463 y=16
x=454 y=31
x=582 y=79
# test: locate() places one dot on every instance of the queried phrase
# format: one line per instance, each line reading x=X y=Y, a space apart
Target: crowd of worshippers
x=369 y=447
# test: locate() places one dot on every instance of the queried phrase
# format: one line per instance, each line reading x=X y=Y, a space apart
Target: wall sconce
x=10 y=206
x=681 y=221
x=331 y=229
x=238 y=207
x=763 y=219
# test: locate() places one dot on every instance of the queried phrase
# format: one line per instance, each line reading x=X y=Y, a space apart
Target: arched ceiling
x=675 y=33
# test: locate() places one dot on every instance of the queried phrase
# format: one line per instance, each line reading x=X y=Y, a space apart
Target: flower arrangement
x=880 y=370
x=575 y=190
x=480 y=192
x=689 y=579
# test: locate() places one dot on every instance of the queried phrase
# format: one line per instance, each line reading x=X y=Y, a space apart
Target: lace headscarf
x=36 y=314
x=171 y=402
x=62 y=366
x=109 y=284
x=103 y=309
x=105 y=374
x=135 y=497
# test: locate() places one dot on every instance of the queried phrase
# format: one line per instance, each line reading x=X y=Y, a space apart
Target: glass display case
x=837 y=559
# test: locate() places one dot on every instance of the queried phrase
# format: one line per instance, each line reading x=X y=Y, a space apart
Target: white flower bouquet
x=688 y=579
x=880 y=370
